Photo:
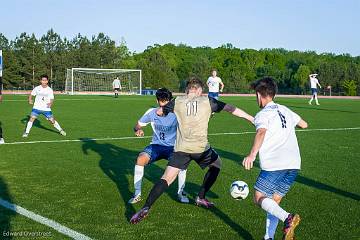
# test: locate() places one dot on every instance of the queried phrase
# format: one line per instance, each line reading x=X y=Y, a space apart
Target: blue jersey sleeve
x=146 y=118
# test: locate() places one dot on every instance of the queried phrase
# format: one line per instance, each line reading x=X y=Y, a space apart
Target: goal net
x=100 y=81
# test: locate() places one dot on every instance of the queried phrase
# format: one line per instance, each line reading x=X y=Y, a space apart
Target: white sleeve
x=220 y=80
x=261 y=121
x=146 y=118
x=51 y=94
x=33 y=92
x=207 y=82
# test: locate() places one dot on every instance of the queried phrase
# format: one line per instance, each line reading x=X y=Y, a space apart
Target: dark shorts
x=279 y=182
x=313 y=91
x=214 y=95
x=116 y=89
x=157 y=152
x=182 y=160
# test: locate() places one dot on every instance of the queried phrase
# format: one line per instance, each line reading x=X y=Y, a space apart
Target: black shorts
x=182 y=160
x=116 y=89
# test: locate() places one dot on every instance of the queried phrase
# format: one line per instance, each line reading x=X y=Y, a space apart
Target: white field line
x=43 y=220
x=210 y=134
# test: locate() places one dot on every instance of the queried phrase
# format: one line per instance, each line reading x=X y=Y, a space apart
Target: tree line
x=27 y=57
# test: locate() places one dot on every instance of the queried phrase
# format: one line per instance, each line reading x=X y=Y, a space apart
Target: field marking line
x=210 y=134
x=43 y=220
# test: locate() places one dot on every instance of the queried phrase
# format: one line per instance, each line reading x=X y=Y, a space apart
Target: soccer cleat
x=135 y=199
x=291 y=222
x=318 y=104
x=203 y=202
x=183 y=198
x=2 y=141
x=25 y=135
x=62 y=132
x=140 y=215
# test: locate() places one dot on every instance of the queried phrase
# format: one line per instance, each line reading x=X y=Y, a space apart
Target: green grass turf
x=85 y=185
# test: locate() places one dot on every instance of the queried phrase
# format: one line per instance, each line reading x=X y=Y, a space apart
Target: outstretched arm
x=218 y=106
x=258 y=141
x=302 y=124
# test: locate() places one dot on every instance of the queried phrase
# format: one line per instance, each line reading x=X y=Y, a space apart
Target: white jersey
x=280 y=148
x=42 y=97
x=314 y=82
x=116 y=83
x=213 y=83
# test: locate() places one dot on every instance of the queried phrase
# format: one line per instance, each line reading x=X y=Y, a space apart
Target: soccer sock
x=1 y=136
x=28 y=127
x=156 y=192
x=57 y=126
x=273 y=208
x=181 y=180
x=209 y=180
x=316 y=99
x=271 y=225
x=138 y=175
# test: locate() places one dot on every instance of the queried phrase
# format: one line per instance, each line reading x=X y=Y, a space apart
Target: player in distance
x=44 y=99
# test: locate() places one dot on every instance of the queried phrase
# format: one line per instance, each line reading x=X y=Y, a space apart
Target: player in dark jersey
x=193 y=112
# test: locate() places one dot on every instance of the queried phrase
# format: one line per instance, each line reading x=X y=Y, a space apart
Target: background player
x=314 y=82
x=116 y=86
x=161 y=146
x=279 y=154
x=213 y=83
x=193 y=112
x=44 y=99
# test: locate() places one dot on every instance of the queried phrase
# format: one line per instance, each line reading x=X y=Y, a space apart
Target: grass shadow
x=37 y=124
x=5 y=214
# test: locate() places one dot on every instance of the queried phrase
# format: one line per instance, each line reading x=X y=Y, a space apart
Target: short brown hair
x=195 y=83
x=266 y=87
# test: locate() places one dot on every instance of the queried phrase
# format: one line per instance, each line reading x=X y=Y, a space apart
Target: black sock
x=156 y=192
x=1 y=132
x=209 y=180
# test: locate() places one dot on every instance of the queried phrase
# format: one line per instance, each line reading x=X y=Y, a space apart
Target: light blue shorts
x=36 y=113
x=279 y=182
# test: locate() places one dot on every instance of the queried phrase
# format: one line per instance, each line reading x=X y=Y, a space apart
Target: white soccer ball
x=239 y=190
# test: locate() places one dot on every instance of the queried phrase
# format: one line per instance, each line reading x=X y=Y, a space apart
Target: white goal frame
x=69 y=81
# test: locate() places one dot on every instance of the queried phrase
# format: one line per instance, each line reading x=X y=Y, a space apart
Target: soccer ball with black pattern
x=239 y=190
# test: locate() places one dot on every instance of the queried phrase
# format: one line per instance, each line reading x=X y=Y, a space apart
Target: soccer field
x=85 y=184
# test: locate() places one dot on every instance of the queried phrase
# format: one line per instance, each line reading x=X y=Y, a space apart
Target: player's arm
x=298 y=121
x=258 y=141
x=318 y=84
x=221 y=86
x=30 y=99
x=143 y=121
x=218 y=106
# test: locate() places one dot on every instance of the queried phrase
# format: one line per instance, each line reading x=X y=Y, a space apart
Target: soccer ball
x=239 y=190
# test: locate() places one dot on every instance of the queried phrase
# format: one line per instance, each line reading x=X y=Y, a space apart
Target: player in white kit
x=279 y=155
x=314 y=82
x=116 y=86
x=44 y=98
x=214 y=83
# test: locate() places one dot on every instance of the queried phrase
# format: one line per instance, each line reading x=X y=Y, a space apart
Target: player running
x=213 y=83
x=44 y=99
x=314 y=82
x=116 y=87
x=193 y=112
x=161 y=146
x=279 y=155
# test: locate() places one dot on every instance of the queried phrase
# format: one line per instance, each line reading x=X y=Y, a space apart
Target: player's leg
x=1 y=135
x=49 y=116
x=316 y=98
x=179 y=160
x=312 y=96
x=34 y=114
x=272 y=221
x=142 y=160
x=211 y=159
x=270 y=187
x=182 y=195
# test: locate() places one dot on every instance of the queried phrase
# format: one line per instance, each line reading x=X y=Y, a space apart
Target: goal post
x=99 y=81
